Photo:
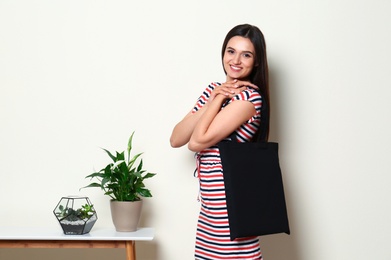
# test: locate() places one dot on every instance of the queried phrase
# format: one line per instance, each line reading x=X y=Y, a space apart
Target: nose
x=236 y=59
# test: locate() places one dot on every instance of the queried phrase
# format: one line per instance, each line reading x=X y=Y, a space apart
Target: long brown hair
x=260 y=73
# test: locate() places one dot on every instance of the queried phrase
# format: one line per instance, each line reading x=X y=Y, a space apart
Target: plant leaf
x=95 y=174
x=111 y=156
x=144 y=192
x=130 y=145
x=140 y=166
x=120 y=156
x=131 y=162
x=115 y=165
x=92 y=185
x=149 y=175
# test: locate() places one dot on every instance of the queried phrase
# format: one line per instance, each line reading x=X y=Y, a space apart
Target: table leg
x=130 y=250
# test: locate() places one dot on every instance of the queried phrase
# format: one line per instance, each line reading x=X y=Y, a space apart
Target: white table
x=38 y=237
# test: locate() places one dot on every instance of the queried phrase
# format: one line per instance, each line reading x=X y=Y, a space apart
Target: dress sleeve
x=255 y=98
x=201 y=101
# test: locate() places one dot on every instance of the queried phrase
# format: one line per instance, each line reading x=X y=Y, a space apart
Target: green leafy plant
x=123 y=179
x=85 y=212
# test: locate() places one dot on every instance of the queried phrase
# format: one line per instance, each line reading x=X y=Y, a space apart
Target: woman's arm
x=216 y=124
x=184 y=129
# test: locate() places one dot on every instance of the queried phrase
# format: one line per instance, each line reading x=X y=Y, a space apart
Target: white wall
x=79 y=75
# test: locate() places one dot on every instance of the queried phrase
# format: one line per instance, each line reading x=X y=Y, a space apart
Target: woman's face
x=239 y=58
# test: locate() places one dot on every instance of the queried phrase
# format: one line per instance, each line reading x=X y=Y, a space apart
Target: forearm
x=216 y=123
x=183 y=132
x=184 y=129
x=202 y=135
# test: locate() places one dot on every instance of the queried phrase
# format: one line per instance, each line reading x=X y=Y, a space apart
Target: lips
x=234 y=68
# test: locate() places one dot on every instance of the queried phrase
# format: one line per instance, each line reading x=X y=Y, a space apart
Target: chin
x=239 y=77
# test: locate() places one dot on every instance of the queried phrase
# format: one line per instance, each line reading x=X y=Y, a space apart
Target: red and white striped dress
x=212 y=239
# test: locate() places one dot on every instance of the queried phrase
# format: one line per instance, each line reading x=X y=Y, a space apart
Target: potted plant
x=123 y=181
x=76 y=215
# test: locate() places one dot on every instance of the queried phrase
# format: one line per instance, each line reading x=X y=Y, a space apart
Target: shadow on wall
x=147 y=250
x=280 y=246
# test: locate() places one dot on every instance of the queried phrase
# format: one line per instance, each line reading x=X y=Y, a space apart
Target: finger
x=224 y=90
x=227 y=88
x=246 y=84
x=230 y=84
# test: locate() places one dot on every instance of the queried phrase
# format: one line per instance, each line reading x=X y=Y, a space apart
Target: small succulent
x=85 y=212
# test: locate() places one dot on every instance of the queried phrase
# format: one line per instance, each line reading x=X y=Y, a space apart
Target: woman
x=224 y=108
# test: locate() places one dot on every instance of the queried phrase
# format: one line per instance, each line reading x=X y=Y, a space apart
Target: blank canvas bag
x=254 y=187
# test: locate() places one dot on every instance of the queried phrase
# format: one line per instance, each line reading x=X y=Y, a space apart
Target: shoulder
x=249 y=94
x=213 y=85
x=208 y=90
x=203 y=98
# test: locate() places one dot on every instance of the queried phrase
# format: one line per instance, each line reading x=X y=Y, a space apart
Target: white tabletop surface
x=42 y=233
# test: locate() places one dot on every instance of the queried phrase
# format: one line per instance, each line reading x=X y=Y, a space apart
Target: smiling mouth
x=235 y=68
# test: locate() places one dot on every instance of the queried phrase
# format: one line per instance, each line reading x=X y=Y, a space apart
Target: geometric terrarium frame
x=76 y=215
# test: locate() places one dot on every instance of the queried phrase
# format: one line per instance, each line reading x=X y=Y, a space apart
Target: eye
x=247 y=55
x=230 y=51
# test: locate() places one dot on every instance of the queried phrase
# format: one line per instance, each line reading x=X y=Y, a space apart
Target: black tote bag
x=254 y=187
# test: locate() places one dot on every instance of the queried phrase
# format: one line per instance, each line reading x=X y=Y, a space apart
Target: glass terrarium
x=76 y=215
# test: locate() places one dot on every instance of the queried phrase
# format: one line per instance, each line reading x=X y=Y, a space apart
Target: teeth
x=235 y=68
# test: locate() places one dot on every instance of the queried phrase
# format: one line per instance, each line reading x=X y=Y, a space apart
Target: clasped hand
x=231 y=88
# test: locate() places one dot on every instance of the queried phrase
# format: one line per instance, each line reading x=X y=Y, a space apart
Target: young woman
x=224 y=108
